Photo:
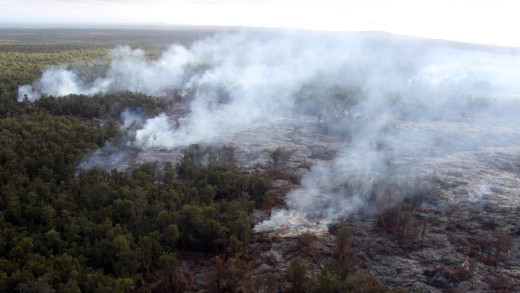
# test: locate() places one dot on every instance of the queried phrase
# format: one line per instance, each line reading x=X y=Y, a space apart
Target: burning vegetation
x=287 y=161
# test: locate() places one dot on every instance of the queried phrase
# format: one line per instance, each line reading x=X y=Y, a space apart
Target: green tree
x=297 y=273
x=343 y=239
x=276 y=156
x=266 y=283
x=169 y=262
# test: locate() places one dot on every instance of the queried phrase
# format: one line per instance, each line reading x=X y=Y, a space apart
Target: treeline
x=19 y=68
x=22 y=62
x=108 y=106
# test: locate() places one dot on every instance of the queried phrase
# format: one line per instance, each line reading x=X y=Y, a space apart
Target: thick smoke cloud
x=409 y=101
x=55 y=81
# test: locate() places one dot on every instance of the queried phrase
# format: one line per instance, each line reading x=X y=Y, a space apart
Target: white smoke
x=55 y=81
x=414 y=101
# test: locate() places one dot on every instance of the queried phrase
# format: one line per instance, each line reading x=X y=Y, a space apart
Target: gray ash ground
x=479 y=193
x=476 y=210
x=479 y=196
x=458 y=251
x=299 y=136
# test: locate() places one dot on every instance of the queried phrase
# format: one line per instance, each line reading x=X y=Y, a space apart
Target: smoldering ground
x=397 y=102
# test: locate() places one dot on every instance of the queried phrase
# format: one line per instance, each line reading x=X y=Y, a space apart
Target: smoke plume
x=399 y=102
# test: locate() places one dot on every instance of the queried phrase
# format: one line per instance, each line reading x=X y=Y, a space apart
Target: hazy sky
x=477 y=21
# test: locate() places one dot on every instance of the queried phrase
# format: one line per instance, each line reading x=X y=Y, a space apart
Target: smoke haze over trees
x=394 y=99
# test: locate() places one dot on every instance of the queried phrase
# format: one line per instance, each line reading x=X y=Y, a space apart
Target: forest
x=99 y=229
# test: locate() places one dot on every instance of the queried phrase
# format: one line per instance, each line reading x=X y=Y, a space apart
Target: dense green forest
x=101 y=229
